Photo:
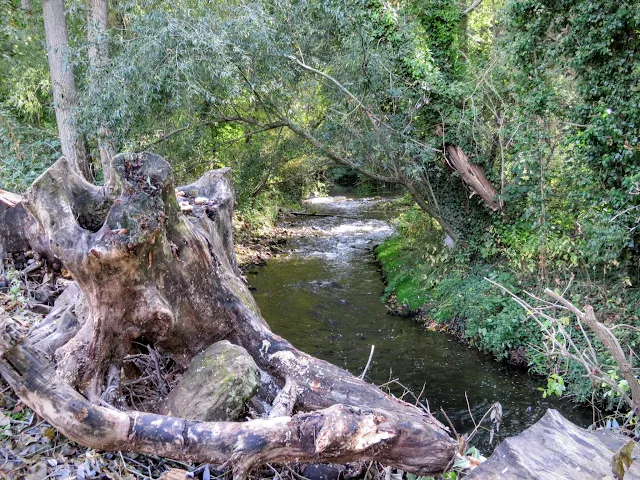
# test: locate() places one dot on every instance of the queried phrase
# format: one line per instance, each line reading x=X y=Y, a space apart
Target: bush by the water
x=450 y=288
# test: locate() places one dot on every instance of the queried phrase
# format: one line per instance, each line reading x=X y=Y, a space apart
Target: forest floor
x=30 y=448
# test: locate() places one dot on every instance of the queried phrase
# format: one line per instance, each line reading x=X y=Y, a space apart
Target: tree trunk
x=97 y=36
x=63 y=85
x=26 y=5
x=149 y=269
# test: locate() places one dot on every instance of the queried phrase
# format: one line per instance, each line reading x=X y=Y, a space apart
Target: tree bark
x=64 y=85
x=19 y=231
x=149 y=269
x=474 y=177
x=26 y=5
x=98 y=38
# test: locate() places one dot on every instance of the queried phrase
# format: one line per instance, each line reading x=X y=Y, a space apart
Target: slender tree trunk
x=97 y=35
x=26 y=5
x=64 y=85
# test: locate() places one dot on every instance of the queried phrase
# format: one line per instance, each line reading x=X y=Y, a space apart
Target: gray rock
x=217 y=385
x=555 y=449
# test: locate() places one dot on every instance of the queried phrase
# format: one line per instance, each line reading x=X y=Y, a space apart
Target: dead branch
x=338 y=434
x=608 y=339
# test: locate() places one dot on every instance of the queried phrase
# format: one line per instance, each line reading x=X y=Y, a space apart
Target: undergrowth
x=450 y=290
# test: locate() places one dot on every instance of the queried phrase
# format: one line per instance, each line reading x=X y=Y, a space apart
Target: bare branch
x=471 y=7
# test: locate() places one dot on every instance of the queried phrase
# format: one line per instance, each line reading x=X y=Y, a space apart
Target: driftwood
x=147 y=272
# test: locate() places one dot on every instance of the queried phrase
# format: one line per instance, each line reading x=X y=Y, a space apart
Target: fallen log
x=148 y=271
x=554 y=449
x=340 y=433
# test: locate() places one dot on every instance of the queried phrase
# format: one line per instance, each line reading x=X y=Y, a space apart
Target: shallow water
x=323 y=295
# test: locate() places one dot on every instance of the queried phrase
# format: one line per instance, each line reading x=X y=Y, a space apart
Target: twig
x=373 y=347
x=455 y=432
x=469 y=410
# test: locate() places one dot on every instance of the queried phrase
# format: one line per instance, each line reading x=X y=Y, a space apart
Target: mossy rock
x=217 y=385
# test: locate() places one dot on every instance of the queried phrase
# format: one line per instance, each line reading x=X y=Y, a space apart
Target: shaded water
x=323 y=295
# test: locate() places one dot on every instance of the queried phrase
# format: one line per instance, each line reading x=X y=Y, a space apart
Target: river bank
x=456 y=291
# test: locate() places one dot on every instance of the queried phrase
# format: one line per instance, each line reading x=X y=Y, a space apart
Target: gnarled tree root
x=150 y=269
x=337 y=434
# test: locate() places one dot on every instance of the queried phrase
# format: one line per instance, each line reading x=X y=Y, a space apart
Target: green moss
x=401 y=278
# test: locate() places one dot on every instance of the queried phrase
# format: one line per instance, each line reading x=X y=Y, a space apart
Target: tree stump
x=151 y=270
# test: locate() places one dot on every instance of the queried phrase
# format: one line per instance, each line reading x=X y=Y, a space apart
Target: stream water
x=323 y=295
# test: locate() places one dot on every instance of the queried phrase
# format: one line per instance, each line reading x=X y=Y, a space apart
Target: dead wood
x=9 y=199
x=147 y=272
x=473 y=176
x=19 y=231
x=339 y=433
x=610 y=342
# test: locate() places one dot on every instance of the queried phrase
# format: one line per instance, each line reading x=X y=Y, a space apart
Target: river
x=323 y=295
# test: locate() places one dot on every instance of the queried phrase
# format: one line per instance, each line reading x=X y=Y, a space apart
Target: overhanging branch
x=247 y=120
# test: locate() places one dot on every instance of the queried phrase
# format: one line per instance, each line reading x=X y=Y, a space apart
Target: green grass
x=400 y=270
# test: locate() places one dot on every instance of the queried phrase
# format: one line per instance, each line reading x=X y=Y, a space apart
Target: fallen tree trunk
x=339 y=433
x=554 y=448
x=151 y=270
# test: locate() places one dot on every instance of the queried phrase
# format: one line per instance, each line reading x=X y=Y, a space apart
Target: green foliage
x=15 y=292
x=542 y=95
x=26 y=151
x=28 y=142
x=440 y=20
x=555 y=386
x=574 y=71
x=451 y=289
x=417 y=245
